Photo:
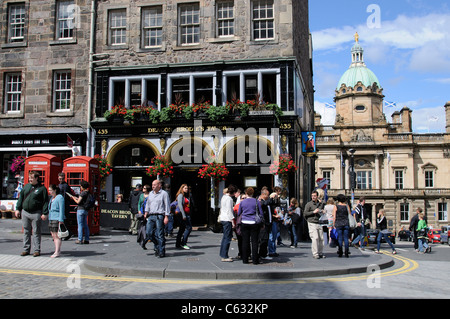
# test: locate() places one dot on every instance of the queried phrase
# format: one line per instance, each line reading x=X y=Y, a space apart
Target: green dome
x=358 y=73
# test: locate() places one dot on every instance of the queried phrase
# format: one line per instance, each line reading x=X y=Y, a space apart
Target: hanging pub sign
x=309 y=143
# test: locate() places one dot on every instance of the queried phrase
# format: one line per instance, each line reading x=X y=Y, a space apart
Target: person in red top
x=184 y=217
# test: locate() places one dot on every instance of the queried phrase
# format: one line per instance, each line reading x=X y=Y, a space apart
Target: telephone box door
x=77 y=169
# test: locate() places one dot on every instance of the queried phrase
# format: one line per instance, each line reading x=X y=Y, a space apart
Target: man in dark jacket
x=33 y=207
x=265 y=231
x=133 y=204
x=313 y=210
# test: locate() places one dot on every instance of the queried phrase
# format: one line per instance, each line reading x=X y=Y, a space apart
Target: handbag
x=323 y=220
x=238 y=224
x=258 y=218
x=351 y=221
x=63 y=232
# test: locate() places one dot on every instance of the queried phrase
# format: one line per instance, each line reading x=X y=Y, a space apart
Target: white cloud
x=425 y=38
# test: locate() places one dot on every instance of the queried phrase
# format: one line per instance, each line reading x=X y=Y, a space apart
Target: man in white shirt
x=226 y=217
x=157 y=210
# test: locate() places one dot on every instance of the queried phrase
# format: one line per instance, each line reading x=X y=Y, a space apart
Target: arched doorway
x=130 y=159
x=188 y=154
x=244 y=156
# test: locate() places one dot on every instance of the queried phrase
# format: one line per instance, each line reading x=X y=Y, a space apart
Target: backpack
x=90 y=202
x=143 y=205
x=174 y=209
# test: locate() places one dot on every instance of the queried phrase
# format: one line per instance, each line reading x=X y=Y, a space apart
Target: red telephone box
x=47 y=165
x=77 y=169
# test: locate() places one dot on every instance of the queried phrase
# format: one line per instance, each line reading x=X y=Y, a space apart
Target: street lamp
x=352 y=174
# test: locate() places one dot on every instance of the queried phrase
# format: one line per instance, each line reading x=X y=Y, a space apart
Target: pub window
x=134 y=91
x=13 y=92
x=191 y=88
x=189 y=24
x=62 y=87
x=247 y=85
x=152 y=27
x=65 y=23
x=225 y=18
x=16 y=22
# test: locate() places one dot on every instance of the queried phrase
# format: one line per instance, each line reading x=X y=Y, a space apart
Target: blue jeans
x=155 y=233
x=226 y=239
x=361 y=235
x=293 y=233
x=82 y=220
x=273 y=238
x=422 y=244
x=386 y=237
x=184 y=230
x=343 y=236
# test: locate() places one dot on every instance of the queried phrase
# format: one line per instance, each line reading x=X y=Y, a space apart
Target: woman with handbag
x=250 y=213
x=184 y=217
x=341 y=223
x=56 y=215
x=382 y=226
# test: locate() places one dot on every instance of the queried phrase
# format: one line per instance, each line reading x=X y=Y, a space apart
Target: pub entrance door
x=200 y=192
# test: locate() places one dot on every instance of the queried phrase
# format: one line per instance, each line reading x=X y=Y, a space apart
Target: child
x=422 y=234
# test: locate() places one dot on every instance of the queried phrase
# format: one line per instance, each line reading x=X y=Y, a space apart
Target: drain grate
x=111 y=276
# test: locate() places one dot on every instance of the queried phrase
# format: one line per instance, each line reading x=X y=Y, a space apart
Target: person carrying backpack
x=85 y=202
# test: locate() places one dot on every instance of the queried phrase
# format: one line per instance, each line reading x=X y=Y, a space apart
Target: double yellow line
x=408 y=265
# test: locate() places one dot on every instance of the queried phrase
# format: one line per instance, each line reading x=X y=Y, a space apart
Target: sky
x=406 y=44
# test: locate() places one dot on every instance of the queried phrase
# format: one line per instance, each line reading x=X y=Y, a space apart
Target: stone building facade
x=395 y=168
x=44 y=79
x=163 y=53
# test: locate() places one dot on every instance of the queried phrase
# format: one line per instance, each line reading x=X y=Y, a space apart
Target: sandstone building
x=396 y=169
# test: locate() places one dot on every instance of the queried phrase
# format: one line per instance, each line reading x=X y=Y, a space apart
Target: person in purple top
x=251 y=223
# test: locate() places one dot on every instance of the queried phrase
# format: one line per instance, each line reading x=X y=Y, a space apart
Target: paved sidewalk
x=116 y=253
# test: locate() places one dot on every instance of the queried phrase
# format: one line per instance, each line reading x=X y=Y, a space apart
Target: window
x=404 y=212
x=65 y=20
x=16 y=23
x=134 y=90
x=327 y=175
x=152 y=21
x=62 y=90
x=246 y=85
x=189 y=24
x=117 y=27
x=398 y=179
x=442 y=211
x=225 y=18
x=192 y=88
x=429 y=179
x=263 y=20
x=364 y=180
x=13 y=92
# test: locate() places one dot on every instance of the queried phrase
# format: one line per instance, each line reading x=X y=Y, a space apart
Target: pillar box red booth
x=47 y=165
x=77 y=169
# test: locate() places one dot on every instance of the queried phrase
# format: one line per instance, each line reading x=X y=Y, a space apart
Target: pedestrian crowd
x=256 y=221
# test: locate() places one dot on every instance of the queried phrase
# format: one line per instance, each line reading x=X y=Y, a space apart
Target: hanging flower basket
x=18 y=164
x=284 y=165
x=104 y=167
x=161 y=166
x=215 y=170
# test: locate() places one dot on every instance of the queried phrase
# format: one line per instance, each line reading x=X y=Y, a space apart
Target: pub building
x=180 y=55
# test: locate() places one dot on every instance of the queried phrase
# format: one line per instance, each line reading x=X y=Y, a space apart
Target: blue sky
x=406 y=44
